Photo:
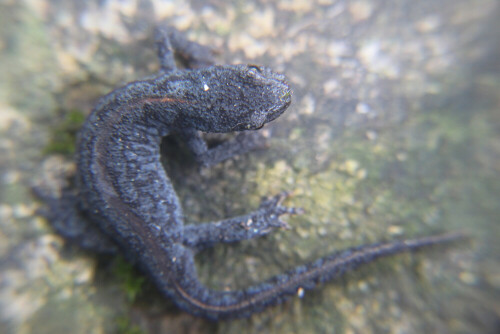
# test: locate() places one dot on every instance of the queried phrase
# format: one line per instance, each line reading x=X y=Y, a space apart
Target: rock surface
x=393 y=132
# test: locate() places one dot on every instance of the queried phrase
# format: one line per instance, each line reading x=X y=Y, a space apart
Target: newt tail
x=228 y=304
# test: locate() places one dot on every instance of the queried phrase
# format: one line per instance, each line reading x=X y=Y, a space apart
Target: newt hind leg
x=68 y=221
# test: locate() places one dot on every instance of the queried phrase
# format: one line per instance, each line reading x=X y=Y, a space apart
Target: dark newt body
x=123 y=189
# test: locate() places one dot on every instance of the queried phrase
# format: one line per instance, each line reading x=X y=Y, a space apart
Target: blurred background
x=394 y=132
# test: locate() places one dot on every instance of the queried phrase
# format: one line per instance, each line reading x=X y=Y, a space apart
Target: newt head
x=278 y=90
x=234 y=98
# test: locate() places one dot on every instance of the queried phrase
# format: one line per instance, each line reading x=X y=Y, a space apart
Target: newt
x=124 y=200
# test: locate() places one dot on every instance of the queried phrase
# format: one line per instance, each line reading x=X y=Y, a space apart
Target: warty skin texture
x=125 y=200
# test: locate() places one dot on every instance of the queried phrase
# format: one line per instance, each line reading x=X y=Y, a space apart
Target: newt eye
x=254 y=67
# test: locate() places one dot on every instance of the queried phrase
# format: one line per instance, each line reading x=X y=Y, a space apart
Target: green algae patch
x=63 y=136
x=131 y=281
x=124 y=326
